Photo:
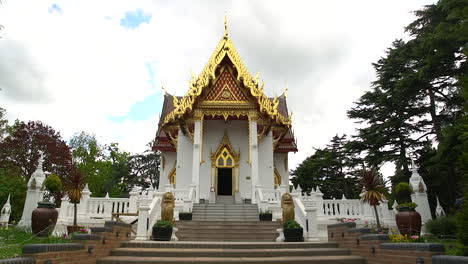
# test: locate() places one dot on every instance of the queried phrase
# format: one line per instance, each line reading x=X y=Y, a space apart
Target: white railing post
x=63 y=213
x=142 y=229
x=83 y=205
x=132 y=201
x=319 y=201
x=312 y=219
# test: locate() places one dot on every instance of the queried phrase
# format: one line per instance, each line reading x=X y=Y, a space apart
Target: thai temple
x=225 y=136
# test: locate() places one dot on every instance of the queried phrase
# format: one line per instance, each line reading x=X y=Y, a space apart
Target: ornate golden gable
x=224 y=49
x=224 y=152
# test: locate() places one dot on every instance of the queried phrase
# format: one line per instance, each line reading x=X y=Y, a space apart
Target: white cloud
x=91 y=68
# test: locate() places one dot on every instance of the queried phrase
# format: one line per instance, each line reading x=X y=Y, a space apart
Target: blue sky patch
x=149 y=107
x=55 y=9
x=133 y=19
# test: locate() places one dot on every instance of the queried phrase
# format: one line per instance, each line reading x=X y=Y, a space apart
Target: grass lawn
x=13 y=239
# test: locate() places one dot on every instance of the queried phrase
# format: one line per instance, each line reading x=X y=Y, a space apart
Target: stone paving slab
x=201 y=260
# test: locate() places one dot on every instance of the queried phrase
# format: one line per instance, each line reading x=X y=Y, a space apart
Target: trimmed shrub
x=403 y=192
x=442 y=226
x=53 y=183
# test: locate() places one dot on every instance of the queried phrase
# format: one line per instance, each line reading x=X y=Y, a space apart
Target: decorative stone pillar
x=319 y=201
x=34 y=195
x=5 y=213
x=419 y=195
x=83 y=205
x=63 y=213
x=143 y=214
x=132 y=201
x=196 y=158
x=312 y=222
x=253 y=139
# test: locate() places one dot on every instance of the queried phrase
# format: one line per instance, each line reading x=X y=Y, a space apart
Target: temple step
x=230 y=252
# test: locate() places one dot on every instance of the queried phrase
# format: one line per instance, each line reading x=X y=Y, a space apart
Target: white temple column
x=253 y=155
x=196 y=159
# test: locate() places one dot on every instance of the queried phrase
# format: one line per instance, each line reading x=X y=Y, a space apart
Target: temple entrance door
x=224 y=181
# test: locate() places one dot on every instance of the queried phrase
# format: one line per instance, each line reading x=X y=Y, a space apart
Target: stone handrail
x=148 y=211
x=352 y=208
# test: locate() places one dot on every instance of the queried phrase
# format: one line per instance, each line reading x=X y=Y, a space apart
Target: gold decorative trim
x=172 y=176
x=277 y=178
x=224 y=48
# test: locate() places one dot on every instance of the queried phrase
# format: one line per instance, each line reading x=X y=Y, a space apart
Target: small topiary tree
x=403 y=193
x=53 y=184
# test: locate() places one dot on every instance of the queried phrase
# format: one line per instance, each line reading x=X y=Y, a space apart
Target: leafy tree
x=11 y=183
x=21 y=149
x=144 y=170
x=3 y=123
x=331 y=168
x=105 y=166
x=373 y=191
x=74 y=184
x=387 y=115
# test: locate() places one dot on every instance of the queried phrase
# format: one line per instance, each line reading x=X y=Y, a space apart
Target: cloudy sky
x=98 y=66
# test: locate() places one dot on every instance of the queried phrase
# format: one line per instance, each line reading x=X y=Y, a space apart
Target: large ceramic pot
x=162 y=233
x=408 y=221
x=43 y=219
x=293 y=234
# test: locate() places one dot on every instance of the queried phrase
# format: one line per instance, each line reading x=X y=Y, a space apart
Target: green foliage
x=403 y=192
x=410 y=205
x=12 y=183
x=53 y=183
x=3 y=121
x=442 y=226
x=13 y=239
x=291 y=224
x=462 y=221
x=161 y=223
x=332 y=168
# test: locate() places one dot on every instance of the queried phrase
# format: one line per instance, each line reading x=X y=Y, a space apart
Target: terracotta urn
x=408 y=221
x=43 y=219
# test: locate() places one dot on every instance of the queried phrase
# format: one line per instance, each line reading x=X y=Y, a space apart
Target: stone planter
x=185 y=216
x=293 y=234
x=408 y=221
x=162 y=233
x=43 y=219
x=266 y=217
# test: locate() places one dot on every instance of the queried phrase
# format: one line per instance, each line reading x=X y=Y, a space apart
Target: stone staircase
x=230 y=252
x=253 y=231
x=225 y=210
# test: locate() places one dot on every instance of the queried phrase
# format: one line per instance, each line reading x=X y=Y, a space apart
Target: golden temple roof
x=225 y=48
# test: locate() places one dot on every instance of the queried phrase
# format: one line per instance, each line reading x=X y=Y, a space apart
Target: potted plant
x=373 y=190
x=74 y=185
x=407 y=219
x=293 y=232
x=185 y=216
x=162 y=230
x=44 y=217
x=266 y=216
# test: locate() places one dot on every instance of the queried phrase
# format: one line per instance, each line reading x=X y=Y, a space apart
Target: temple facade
x=225 y=136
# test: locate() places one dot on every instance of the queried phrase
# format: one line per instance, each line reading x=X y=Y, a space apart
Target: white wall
x=169 y=163
x=213 y=132
x=184 y=161
x=265 y=162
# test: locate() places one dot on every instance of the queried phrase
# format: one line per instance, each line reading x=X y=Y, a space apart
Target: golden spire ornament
x=226 y=33
x=164 y=89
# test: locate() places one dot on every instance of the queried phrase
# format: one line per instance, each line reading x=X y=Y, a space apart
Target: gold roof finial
x=286 y=90
x=225 y=26
x=164 y=89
